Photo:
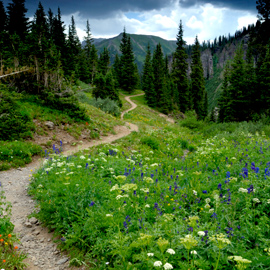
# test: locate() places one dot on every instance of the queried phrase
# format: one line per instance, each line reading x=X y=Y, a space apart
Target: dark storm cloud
x=95 y=8
x=249 y=5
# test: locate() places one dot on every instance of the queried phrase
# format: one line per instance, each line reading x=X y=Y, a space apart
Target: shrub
x=107 y=105
x=153 y=143
x=15 y=121
x=65 y=102
x=191 y=122
x=14 y=154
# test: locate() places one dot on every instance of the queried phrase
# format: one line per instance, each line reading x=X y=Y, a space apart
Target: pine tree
x=159 y=73
x=3 y=17
x=93 y=62
x=73 y=49
x=128 y=79
x=197 y=81
x=224 y=100
x=148 y=79
x=104 y=61
x=179 y=71
x=161 y=85
x=105 y=87
x=58 y=35
x=88 y=40
x=40 y=32
x=17 y=20
x=264 y=84
x=117 y=70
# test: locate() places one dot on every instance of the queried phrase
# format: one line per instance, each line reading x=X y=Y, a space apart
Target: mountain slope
x=139 y=44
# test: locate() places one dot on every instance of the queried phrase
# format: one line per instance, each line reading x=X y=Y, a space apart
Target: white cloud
x=194 y=23
x=246 y=20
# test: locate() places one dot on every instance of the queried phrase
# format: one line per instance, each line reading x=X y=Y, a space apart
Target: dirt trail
x=133 y=105
x=36 y=241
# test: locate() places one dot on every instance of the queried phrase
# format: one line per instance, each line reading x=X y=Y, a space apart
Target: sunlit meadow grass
x=145 y=203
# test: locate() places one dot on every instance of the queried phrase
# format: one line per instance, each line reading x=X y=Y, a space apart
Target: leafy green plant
x=151 y=142
x=15 y=121
x=10 y=258
x=107 y=105
x=17 y=153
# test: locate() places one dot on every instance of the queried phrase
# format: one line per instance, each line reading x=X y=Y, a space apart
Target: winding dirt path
x=133 y=105
x=36 y=241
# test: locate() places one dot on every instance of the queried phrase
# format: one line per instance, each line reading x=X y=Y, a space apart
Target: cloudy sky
x=206 y=18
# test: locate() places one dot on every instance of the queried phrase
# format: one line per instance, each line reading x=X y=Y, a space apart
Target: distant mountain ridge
x=139 y=44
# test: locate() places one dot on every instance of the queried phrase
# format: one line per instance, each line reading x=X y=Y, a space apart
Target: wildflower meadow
x=147 y=202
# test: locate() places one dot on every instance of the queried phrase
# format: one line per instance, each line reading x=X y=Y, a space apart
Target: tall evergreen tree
x=224 y=100
x=117 y=70
x=179 y=71
x=162 y=95
x=58 y=34
x=104 y=61
x=128 y=79
x=3 y=17
x=73 y=49
x=197 y=81
x=235 y=100
x=40 y=31
x=17 y=20
x=159 y=73
x=264 y=84
x=105 y=87
x=148 y=79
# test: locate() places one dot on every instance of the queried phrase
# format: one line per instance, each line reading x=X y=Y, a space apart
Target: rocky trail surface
x=36 y=240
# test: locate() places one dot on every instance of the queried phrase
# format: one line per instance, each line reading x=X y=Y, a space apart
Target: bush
x=65 y=102
x=107 y=105
x=15 y=154
x=15 y=121
x=191 y=122
x=153 y=143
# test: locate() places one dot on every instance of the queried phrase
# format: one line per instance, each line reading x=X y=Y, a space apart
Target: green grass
x=16 y=154
x=172 y=196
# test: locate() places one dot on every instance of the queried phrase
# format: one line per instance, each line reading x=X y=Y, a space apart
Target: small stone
x=62 y=261
x=49 y=124
x=49 y=240
x=28 y=224
x=33 y=220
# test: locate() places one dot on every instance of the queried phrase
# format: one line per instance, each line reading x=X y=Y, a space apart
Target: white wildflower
x=207 y=206
x=109 y=215
x=201 y=233
x=154 y=165
x=79 y=166
x=256 y=200
x=207 y=200
x=82 y=157
x=167 y=266
x=147 y=206
x=244 y=190
x=150 y=254
x=193 y=252
x=170 y=251
x=211 y=210
x=195 y=192
x=158 y=263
